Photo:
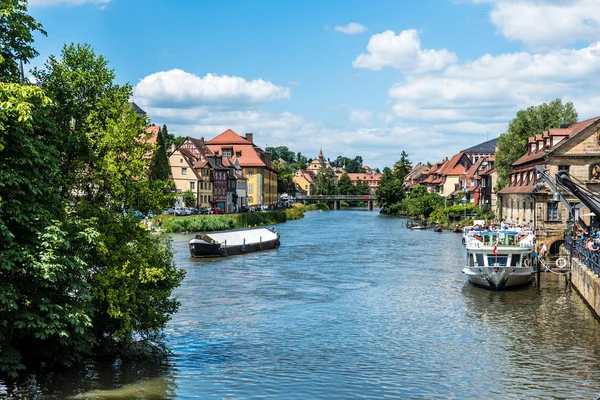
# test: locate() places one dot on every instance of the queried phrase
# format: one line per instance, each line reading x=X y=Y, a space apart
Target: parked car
x=217 y=210
x=187 y=211
x=169 y=211
x=178 y=211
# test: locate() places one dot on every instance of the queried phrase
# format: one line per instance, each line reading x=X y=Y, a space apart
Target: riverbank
x=212 y=223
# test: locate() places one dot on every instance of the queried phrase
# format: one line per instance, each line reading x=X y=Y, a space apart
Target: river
x=355 y=305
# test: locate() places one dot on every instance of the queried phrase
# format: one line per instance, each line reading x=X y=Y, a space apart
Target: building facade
x=257 y=167
x=527 y=200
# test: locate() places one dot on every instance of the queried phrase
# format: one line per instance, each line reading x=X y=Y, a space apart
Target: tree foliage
x=421 y=202
x=512 y=145
x=325 y=184
x=16 y=38
x=345 y=185
x=285 y=182
x=402 y=167
x=281 y=152
x=351 y=165
x=189 y=199
x=159 y=167
x=171 y=139
x=390 y=192
x=77 y=276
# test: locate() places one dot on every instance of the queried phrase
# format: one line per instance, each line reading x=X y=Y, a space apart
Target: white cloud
x=403 y=52
x=546 y=23
x=182 y=89
x=493 y=88
x=53 y=3
x=359 y=116
x=352 y=28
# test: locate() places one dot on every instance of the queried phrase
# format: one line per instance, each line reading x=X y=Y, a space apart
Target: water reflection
x=96 y=381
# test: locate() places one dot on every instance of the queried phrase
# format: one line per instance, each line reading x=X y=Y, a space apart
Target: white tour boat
x=499 y=260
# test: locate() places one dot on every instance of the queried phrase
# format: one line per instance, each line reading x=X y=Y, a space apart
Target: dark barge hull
x=216 y=250
x=229 y=243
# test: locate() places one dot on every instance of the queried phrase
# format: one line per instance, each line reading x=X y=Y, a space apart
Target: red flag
x=495 y=251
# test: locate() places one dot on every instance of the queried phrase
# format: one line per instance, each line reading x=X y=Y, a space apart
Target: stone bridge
x=339 y=197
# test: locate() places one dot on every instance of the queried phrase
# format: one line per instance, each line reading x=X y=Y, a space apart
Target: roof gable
x=228 y=137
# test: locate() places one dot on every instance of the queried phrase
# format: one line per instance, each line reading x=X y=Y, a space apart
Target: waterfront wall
x=587 y=284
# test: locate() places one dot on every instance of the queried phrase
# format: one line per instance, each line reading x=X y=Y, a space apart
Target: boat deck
x=236 y=238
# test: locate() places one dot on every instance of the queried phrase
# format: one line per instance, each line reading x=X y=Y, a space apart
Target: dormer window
x=238 y=154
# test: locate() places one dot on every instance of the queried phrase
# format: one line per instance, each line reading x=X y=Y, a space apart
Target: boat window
x=497 y=260
x=510 y=240
x=480 y=260
x=515 y=260
x=471 y=260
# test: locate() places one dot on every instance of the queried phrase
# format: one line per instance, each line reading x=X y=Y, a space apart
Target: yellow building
x=257 y=166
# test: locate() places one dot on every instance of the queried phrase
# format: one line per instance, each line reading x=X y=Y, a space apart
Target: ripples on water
x=354 y=305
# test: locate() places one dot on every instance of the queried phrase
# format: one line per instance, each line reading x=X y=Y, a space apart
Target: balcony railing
x=590 y=258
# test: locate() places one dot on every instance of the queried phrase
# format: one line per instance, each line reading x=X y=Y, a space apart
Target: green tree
x=77 y=276
x=281 y=152
x=512 y=145
x=345 y=185
x=171 y=139
x=421 y=202
x=325 y=184
x=362 y=188
x=402 y=167
x=159 y=167
x=285 y=182
x=16 y=38
x=189 y=199
x=390 y=192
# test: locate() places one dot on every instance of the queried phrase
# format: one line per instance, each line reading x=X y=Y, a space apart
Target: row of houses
x=468 y=176
x=526 y=200
x=306 y=179
x=228 y=171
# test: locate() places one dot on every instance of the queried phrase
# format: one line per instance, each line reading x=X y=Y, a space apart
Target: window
x=192 y=185
x=180 y=160
x=238 y=154
x=183 y=171
x=250 y=199
x=250 y=173
x=563 y=168
x=227 y=153
x=250 y=188
x=552 y=214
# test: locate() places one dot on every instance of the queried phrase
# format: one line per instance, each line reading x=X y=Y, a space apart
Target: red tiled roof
x=363 y=177
x=453 y=167
x=154 y=129
x=570 y=131
x=228 y=137
x=518 y=189
x=250 y=155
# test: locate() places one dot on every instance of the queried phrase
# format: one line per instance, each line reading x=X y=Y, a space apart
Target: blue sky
x=368 y=78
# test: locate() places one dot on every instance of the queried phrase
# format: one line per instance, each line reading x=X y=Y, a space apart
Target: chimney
x=173 y=148
x=249 y=137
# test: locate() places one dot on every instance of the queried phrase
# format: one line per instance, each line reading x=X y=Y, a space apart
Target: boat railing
x=589 y=257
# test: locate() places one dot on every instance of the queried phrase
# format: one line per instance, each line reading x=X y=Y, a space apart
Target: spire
x=321 y=154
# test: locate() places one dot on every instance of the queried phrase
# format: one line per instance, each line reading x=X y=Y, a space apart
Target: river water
x=355 y=305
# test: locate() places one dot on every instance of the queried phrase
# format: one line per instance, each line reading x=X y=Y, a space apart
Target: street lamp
x=464 y=200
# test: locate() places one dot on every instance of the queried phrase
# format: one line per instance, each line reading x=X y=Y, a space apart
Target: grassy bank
x=209 y=223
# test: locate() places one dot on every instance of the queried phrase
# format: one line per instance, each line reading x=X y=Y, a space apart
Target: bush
x=321 y=206
x=261 y=218
x=203 y=223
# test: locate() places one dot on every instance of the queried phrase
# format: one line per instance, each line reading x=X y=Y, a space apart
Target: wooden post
x=370 y=205
x=336 y=204
x=539 y=271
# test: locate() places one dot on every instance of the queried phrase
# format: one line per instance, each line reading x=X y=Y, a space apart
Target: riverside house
x=256 y=165
x=191 y=169
x=574 y=148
